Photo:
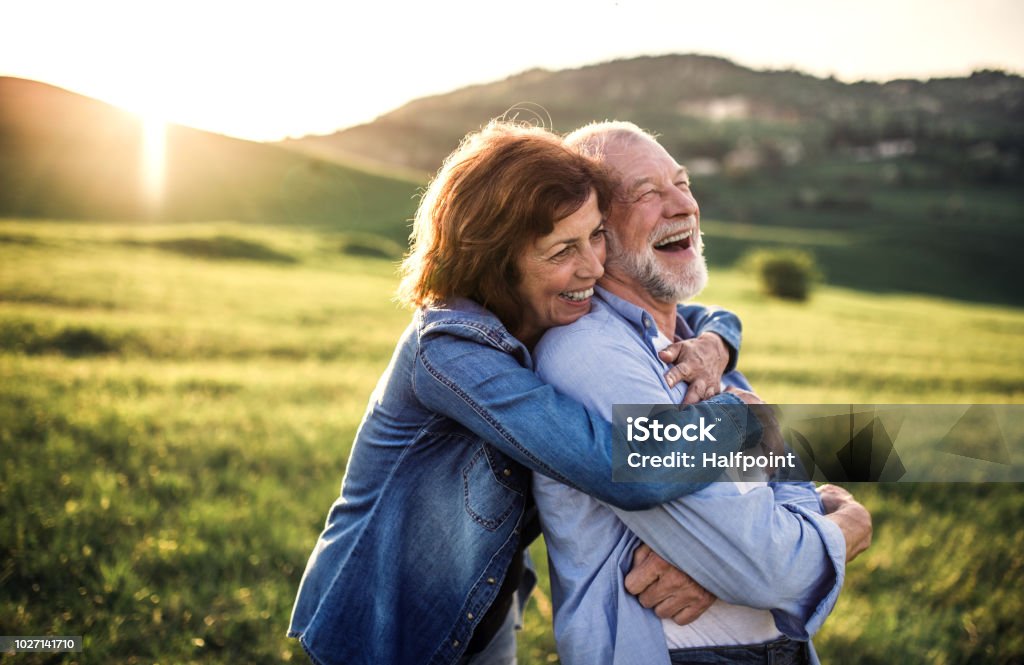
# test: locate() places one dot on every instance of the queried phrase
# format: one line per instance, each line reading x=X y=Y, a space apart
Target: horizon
x=151 y=120
x=267 y=73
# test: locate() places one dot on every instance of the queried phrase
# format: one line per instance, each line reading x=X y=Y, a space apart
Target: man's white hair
x=609 y=137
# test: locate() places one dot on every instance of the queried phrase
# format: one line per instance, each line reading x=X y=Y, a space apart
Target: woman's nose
x=592 y=262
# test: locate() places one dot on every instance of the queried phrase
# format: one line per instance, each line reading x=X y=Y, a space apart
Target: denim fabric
x=780 y=652
x=431 y=508
x=501 y=650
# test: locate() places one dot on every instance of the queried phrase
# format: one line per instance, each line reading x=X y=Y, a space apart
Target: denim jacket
x=432 y=505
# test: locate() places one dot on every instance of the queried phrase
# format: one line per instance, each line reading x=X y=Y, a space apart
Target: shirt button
x=470 y=616
x=455 y=643
x=647 y=323
x=507 y=472
x=491 y=580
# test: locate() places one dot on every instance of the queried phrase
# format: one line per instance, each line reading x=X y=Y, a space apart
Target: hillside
x=66 y=156
x=897 y=186
x=706 y=108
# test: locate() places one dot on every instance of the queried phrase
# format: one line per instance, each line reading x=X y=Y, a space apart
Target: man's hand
x=834 y=497
x=672 y=593
x=851 y=517
x=699 y=362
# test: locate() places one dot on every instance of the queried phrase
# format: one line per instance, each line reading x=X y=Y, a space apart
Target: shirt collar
x=640 y=319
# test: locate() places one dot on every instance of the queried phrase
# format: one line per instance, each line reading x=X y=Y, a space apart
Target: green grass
x=873 y=233
x=177 y=404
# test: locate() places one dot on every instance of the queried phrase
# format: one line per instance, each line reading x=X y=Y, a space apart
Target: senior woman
x=422 y=554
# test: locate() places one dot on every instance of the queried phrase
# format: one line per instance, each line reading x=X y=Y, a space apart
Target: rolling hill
x=898 y=186
x=66 y=156
x=894 y=187
x=707 y=108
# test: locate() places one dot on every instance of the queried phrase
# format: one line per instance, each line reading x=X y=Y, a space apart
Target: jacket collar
x=466 y=318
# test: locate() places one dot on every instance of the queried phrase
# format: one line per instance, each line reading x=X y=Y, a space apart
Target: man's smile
x=675 y=242
x=679 y=237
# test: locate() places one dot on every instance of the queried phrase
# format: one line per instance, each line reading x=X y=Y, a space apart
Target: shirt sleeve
x=747 y=549
x=720 y=321
x=798 y=493
x=506 y=404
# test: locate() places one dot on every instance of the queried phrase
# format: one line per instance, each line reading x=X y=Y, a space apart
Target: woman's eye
x=599 y=233
x=564 y=253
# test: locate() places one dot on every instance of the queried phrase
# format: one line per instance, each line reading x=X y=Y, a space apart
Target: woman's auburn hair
x=502 y=188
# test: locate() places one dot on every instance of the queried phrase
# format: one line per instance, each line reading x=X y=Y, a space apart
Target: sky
x=267 y=70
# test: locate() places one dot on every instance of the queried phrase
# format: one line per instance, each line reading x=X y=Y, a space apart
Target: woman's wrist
x=717 y=350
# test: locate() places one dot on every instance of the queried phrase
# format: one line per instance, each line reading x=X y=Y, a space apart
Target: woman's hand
x=672 y=593
x=771 y=439
x=748 y=397
x=850 y=516
x=699 y=362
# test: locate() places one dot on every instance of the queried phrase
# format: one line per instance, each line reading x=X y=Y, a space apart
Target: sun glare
x=154 y=160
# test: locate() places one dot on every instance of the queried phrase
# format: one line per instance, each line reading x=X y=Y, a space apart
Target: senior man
x=765 y=550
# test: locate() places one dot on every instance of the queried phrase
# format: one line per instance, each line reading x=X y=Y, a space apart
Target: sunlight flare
x=154 y=160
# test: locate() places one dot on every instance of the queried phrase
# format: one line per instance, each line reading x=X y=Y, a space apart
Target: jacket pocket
x=489 y=488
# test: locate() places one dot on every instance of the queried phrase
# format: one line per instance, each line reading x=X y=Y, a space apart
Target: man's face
x=654 y=225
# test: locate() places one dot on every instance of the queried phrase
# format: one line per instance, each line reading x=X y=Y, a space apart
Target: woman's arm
x=717 y=321
x=701 y=361
x=491 y=393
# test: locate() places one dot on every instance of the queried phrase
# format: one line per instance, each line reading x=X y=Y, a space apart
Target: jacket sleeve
x=507 y=405
x=720 y=321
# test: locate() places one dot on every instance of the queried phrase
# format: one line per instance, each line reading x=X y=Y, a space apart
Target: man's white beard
x=661 y=284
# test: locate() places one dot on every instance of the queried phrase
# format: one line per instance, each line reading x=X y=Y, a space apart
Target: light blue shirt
x=768 y=548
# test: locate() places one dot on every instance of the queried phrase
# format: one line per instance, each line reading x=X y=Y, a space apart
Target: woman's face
x=558 y=272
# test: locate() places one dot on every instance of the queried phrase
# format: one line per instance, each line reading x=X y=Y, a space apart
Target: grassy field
x=875 y=232
x=177 y=404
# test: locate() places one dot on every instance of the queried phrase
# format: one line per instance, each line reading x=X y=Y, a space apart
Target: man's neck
x=664 y=313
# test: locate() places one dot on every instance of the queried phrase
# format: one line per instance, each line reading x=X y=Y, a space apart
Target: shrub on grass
x=223 y=247
x=783 y=273
x=370 y=245
x=70 y=341
x=76 y=341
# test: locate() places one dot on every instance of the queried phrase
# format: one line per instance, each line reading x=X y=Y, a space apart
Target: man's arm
x=744 y=548
x=749 y=550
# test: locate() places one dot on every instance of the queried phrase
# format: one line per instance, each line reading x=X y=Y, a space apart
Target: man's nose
x=681 y=203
